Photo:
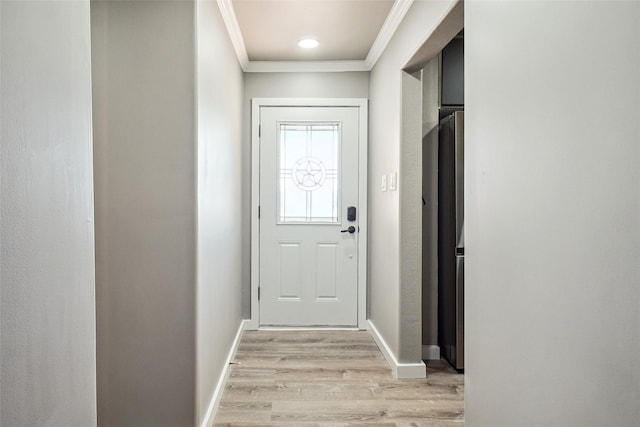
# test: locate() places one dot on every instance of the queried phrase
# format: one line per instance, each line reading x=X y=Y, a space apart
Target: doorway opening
x=443 y=205
x=421 y=180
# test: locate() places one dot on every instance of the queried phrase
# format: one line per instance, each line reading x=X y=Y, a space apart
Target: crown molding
x=231 y=22
x=305 y=66
x=389 y=27
x=391 y=24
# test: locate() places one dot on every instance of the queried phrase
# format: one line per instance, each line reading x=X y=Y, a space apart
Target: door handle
x=349 y=230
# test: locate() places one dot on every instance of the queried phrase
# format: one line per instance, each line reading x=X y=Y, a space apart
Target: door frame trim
x=362 y=105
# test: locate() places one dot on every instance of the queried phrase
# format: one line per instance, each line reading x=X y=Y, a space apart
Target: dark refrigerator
x=451 y=239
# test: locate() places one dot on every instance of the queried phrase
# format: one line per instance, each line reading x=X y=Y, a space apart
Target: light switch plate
x=383 y=183
x=393 y=181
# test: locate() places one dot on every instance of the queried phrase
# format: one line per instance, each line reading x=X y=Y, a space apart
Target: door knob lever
x=349 y=230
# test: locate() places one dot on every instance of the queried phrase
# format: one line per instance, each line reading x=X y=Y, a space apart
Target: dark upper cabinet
x=452 y=74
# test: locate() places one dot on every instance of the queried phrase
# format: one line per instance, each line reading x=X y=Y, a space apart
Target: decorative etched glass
x=308 y=172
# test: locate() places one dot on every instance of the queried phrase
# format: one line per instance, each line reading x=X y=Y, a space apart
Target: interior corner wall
x=219 y=237
x=143 y=63
x=47 y=330
x=552 y=213
x=410 y=194
x=284 y=85
x=385 y=294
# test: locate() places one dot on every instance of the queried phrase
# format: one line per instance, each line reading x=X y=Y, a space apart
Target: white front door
x=308 y=199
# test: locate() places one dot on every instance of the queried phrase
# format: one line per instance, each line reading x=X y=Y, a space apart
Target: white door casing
x=309 y=166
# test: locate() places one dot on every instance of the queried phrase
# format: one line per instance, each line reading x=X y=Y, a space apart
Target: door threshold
x=308 y=328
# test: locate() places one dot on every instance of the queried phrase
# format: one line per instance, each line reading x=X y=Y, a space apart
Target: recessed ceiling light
x=308 y=43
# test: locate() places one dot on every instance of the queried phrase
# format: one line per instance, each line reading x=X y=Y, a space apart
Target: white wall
x=386 y=302
x=219 y=229
x=553 y=213
x=46 y=222
x=285 y=85
x=145 y=154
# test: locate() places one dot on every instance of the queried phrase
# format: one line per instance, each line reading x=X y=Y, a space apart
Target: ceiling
x=352 y=33
x=346 y=29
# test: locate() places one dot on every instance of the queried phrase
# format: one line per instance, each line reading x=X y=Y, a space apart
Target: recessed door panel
x=290 y=271
x=327 y=270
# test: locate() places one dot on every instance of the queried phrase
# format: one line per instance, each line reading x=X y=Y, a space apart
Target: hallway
x=129 y=252
x=332 y=378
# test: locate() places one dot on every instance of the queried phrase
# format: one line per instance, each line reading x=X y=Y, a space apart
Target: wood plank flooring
x=332 y=379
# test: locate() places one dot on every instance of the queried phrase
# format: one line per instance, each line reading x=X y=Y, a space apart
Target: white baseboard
x=207 y=421
x=430 y=352
x=400 y=370
x=251 y=325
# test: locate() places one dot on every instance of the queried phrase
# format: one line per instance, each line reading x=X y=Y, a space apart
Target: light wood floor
x=332 y=378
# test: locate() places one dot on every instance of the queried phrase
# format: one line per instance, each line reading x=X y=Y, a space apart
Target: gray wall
x=219 y=266
x=410 y=192
x=386 y=296
x=168 y=108
x=47 y=348
x=553 y=214
x=144 y=139
x=285 y=85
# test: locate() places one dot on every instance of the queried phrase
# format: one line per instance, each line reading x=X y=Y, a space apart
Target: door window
x=308 y=173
